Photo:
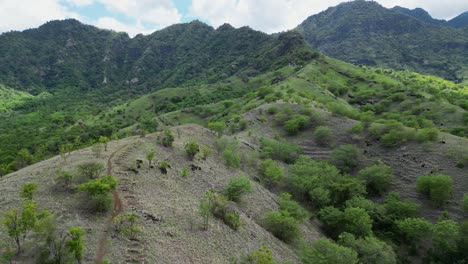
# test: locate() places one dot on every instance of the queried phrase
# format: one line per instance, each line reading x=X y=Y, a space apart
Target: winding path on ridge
x=118 y=208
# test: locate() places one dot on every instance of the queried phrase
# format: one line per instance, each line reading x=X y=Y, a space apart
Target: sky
x=147 y=16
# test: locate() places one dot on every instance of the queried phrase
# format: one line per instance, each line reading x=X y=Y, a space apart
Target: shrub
x=192 y=148
x=163 y=166
x=232 y=158
x=357 y=129
x=345 y=188
x=307 y=174
x=345 y=157
x=167 y=138
x=320 y=197
x=232 y=219
x=64 y=178
x=185 y=173
x=263 y=255
x=150 y=156
x=282 y=225
x=280 y=150
x=414 y=230
x=272 y=110
x=90 y=170
x=326 y=251
x=297 y=123
x=396 y=209
x=445 y=235
x=205 y=152
x=292 y=207
x=370 y=249
x=217 y=127
x=271 y=173
x=427 y=134
x=127 y=224
x=98 y=191
x=357 y=222
x=437 y=187
x=377 y=177
x=28 y=191
x=332 y=219
x=237 y=187
x=397 y=137
x=322 y=135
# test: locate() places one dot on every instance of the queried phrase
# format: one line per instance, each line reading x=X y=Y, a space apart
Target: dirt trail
x=118 y=208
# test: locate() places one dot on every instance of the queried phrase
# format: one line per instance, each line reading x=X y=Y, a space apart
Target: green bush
x=271 y=173
x=370 y=249
x=272 y=110
x=414 y=230
x=325 y=251
x=191 y=149
x=280 y=150
x=357 y=222
x=357 y=129
x=296 y=124
x=292 y=207
x=167 y=139
x=217 y=127
x=237 y=187
x=28 y=191
x=282 y=225
x=232 y=158
x=323 y=135
x=445 y=235
x=377 y=177
x=397 y=137
x=98 y=191
x=90 y=170
x=320 y=197
x=396 y=209
x=437 y=187
x=232 y=219
x=345 y=157
x=427 y=134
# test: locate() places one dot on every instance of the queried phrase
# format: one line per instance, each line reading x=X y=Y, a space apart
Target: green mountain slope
x=459 y=21
x=70 y=54
x=363 y=32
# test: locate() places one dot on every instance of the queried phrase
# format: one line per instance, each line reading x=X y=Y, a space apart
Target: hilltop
x=364 y=32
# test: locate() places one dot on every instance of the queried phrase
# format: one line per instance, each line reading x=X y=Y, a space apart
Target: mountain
x=419 y=14
x=364 y=32
x=69 y=53
x=459 y=21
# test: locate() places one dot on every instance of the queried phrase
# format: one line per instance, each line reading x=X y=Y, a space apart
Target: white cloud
x=279 y=15
x=20 y=15
x=80 y=2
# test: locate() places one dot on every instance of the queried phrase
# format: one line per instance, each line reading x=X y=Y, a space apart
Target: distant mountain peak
x=419 y=14
x=459 y=21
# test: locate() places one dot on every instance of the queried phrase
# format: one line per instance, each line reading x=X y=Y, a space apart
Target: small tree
x=192 y=148
x=414 y=230
x=97 y=150
x=167 y=139
x=127 y=224
x=217 y=127
x=206 y=207
x=345 y=157
x=90 y=170
x=75 y=244
x=150 y=156
x=296 y=124
x=377 y=177
x=104 y=141
x=272 y=173
x=282 y=225
x=326 y=251
x=64 y=178
x=19 y=224
x=205 y=152
x=357 y=222
x=263 y=255
x=292 y=207
x=370 y=249
x=237 y=187
x=99 y=190
x=28 y=191
x=445 y=235
x=437 y=187
x=232 y=158
x=322 y=135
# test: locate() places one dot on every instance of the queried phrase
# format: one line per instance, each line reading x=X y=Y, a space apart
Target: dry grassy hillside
x=167 y=204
